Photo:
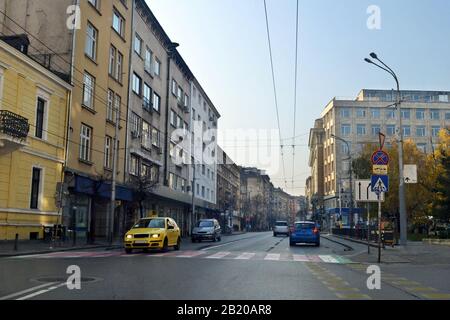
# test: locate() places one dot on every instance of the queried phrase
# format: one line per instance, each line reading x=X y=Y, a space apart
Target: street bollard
x=16 y=242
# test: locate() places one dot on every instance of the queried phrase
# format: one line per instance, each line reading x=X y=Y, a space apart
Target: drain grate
x=64 y=279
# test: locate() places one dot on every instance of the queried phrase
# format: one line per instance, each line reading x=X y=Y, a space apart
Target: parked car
x=305 y=232
x=153 y=233
x=281 y=227
x=207 y=229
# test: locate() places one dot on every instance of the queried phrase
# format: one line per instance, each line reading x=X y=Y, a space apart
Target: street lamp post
x=351 y=179
x=401 y=189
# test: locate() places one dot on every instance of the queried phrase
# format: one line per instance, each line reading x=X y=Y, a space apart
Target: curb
x=29 y=253
x=342 y=244
x=442 y=242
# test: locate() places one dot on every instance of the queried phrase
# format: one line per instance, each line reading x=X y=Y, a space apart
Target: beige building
x=92 y=47
x=316 y=162
x=360 y=120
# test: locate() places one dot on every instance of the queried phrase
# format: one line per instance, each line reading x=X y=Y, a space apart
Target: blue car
x=304 y=232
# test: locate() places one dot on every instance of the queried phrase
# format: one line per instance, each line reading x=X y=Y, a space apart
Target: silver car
x=281 y=227
x=206 y=229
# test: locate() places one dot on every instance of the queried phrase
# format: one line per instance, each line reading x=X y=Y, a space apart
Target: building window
x=155 y=137
x=406 y=114
x=137 y=84
x=390 y=114
x=360 y=129
x=157 y=68
x=376 y=129
x=108 y=152
x=173 y=118
x=360 y=113
x=117 y=103
x=434 y=114
x=422 y=147
x=118 y=23
x=119 y=67
x=345 y=129
x=345 y=113
x=203 y=191
x=186 y=100
x=420 y=131
x=376 y=114
x=447 y=116
x=110 y=106
x=420 y=114
x=40 y=118
x=435 y=131
x=85 y=142
x=146 y=141
x=406 y=131
x=390 y=130
x=147 y=97
x=134 y=165
x=138 y=44
x=156 y=102
x=135 y=125
x=172 y=182
x=174 y=87
x=95 y=3
x=91 y=41
x=35 y=188
x=148 y=60
x=112 y=61
x=154 y=173
x=88 y=90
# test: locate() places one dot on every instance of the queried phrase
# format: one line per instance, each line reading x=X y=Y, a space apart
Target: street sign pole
x=368 y=228
x=379 y=227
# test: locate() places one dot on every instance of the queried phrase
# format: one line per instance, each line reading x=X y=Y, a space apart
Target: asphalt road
x=247 y=266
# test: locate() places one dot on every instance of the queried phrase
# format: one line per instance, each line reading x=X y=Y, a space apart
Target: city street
x=246 y=266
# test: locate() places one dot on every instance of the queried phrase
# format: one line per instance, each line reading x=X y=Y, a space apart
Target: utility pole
x=379 y=226
x=113 y=179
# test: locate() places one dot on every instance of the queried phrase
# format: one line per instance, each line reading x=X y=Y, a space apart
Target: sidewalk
x=29 y=247
x=415 y=252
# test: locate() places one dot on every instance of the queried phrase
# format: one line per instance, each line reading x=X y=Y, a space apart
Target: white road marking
x=218 y=255
x=245 y=256
x=328 y=259
x=272 y=256
x=27 y=290
x=300 y=257
x=42 y=291
x=189 y=254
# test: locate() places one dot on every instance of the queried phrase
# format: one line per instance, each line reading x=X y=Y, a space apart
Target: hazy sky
x=224 y=43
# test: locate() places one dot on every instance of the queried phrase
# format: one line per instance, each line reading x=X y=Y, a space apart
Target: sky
x=224 y=42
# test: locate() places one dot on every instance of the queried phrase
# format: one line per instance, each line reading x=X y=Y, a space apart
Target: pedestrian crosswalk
x=224 y=255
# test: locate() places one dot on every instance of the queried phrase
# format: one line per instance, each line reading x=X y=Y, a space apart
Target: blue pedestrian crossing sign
x=380 y=183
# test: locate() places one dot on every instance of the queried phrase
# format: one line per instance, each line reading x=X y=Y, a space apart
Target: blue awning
x=101 y=188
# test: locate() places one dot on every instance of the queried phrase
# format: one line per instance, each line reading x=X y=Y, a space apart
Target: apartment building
x=34 y=105
x=257 y=198
x=229 y=191
x=360 y=120
x=316 y=161
x=93 y=48
x=282 y=205
x=204 y=121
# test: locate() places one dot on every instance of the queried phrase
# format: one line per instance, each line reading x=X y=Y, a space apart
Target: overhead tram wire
x=295 y=92
x=275 y=91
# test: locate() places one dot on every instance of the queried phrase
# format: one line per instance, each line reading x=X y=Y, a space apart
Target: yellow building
x=33 y=120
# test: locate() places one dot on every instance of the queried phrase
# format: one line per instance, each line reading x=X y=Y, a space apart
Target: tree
x=440 y=207
x=142 y=186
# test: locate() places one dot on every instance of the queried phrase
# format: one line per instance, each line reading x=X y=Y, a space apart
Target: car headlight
x=129 y=236
x=155 y=235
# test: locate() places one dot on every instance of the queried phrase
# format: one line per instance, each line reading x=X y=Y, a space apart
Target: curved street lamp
x=401 y=189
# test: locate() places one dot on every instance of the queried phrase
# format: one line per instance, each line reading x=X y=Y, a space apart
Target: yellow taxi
x=153 y=233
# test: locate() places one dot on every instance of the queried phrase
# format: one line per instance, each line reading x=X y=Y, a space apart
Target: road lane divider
x=32 y=295
x=20 y=293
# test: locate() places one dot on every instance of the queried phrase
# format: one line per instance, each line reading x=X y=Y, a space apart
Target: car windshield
x=150 y=223
x=205 y=224
x=304 y=226
x=281 y=223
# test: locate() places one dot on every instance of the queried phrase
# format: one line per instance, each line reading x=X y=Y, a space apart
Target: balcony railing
x=13 y=125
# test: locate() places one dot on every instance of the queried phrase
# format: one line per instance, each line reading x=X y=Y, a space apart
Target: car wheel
x=165 y=247
x=274 y=234
x=178 y=245
x=128 y=250
x=193 y=240
x=291 y=244
x=220 y=239
x=214 y=239
x=317 y=244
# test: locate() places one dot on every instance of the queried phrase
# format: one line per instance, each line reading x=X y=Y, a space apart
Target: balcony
x=13 y=131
